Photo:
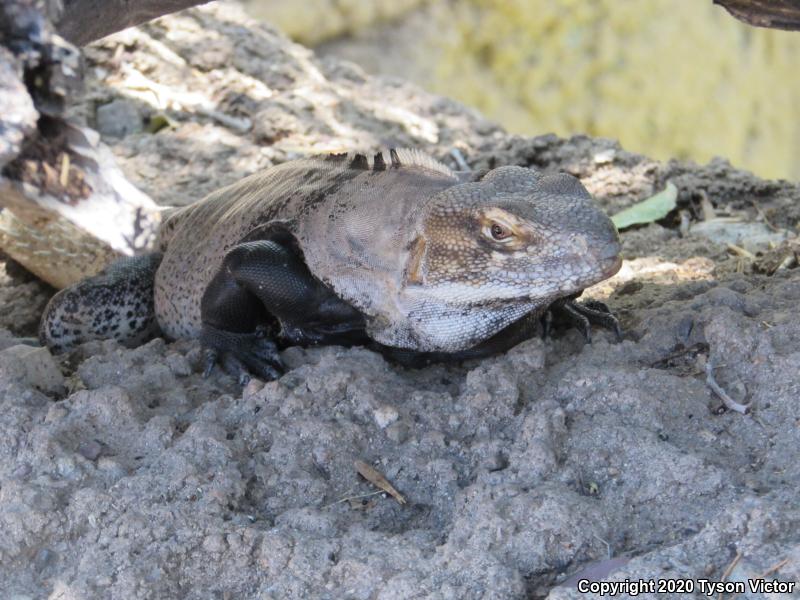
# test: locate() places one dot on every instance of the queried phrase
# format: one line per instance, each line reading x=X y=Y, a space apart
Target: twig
x=706 y=207
x=729 y=570
x=786 y=262
x=698 y=347
x=763 y=215
x=348 y=498
x=607 y=545
x=64 y=176
x=739 y=251
x=458 y=158
x=773 y=568
x=164 y=97
x=729 y=402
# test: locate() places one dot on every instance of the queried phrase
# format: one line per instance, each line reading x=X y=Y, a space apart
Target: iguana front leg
x=263 y=293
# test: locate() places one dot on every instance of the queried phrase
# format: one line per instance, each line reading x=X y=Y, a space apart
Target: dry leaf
x=372 y=475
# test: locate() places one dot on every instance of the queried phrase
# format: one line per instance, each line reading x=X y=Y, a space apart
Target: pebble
x=385 y=415
x=178 y=365
x=34 y=366
x=90 y=450
x=397 y=432
x=214 y=543
x=118 y=119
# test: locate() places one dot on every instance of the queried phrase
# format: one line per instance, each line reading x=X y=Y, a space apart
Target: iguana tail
x=115 y=304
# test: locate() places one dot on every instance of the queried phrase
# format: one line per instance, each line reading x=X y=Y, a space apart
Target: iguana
x=402 y=254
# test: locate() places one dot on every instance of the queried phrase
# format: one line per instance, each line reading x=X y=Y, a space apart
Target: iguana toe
x=241 y=354
x=598 y=313
x=582 y=316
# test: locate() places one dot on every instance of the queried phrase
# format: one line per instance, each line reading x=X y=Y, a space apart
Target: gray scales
x=404 y=255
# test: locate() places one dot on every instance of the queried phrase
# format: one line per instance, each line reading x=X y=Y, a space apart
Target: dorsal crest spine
x=359 y=162
x=402 y=158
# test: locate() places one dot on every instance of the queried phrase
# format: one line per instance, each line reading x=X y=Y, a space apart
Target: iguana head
x=514 y=236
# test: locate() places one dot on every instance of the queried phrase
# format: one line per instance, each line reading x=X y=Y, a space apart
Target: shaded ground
x=125 y=474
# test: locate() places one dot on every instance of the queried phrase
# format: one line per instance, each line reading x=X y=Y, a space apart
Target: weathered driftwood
x=775 y=14
x=84 y=21
x=66 y=205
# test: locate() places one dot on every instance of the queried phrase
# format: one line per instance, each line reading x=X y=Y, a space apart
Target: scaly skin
x=404 y=254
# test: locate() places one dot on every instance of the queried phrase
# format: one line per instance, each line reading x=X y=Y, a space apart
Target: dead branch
x=775 y=14
x=84 y=21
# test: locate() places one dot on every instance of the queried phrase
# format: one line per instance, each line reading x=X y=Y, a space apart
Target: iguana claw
x=241 y=355
x=582 y=316
x=210 y=358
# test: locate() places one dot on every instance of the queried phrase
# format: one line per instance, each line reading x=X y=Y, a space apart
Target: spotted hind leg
x=115 y=304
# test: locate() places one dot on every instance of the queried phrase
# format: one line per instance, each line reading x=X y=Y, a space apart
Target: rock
x=90 y=449
x=8 y=339
x=28 y=365
x=118 y=119
x=178 y=365
x=17 y=114
x=751 y=236
x=385 y=415
x=397 y=432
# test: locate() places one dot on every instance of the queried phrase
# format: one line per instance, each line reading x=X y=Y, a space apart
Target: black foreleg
x=264 y=292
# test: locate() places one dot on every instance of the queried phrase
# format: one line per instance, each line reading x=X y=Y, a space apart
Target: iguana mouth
x=610 y=256
x=613 y=268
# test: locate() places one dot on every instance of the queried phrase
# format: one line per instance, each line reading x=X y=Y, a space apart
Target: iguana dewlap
x=404 y=253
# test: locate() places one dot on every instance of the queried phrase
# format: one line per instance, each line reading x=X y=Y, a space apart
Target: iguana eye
x=500 y=232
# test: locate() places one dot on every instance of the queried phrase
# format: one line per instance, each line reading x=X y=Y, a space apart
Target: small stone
x=753 y=237
x=214 y=543
x=8 y=339
x=44 y=558
x=118 y=119
x=55 y=413
x=496 y=461
x=34 y=366
x=110 y=466
x=179 y=365
x=605 y=156
x=66 y=467
x=90 y=450
x=252 y=388
x=397 y=432
x=22 y=471
x=385 y=415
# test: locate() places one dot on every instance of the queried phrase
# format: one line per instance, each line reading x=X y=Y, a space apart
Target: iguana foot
x=582 y=316
x=241 y=354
